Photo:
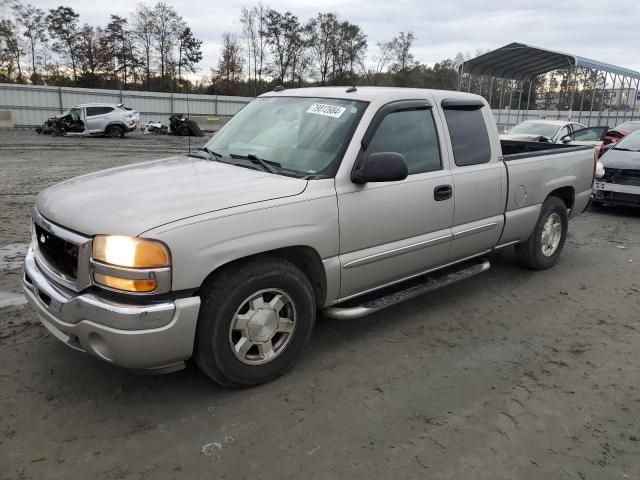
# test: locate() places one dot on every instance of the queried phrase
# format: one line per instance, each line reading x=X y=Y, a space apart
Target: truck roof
x=368 y=94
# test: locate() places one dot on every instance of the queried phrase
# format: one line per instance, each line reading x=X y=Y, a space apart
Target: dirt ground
x=510 y=375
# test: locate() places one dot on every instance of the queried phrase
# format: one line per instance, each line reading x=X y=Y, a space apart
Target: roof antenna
x=352 y=89
x=278 y=88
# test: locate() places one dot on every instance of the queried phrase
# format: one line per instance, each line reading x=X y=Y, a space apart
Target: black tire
x=530 y=253
x=222 y=297
x=182 y=130
x=115 y=131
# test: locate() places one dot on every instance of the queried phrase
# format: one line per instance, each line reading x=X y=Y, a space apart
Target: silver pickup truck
x=344 y=200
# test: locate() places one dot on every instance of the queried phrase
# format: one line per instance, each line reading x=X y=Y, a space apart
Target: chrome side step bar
x=428 y=283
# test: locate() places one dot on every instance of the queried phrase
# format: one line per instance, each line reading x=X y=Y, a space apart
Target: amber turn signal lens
x=126 y=284
x=130 y=251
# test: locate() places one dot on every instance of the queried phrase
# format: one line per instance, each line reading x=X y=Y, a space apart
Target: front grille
x=60 y=254
x=618 y=197
x=622 y=177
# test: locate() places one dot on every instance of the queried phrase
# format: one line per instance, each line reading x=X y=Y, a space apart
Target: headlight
x=130 y=252
x=599 y=169
x=131 y=264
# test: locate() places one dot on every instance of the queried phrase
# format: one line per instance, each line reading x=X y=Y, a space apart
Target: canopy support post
x=519 y=102
x=490 y=91
x=604 y=88
x=613 y=91
x=573 y=91
x=528 y=100
x=510 y=101
x=626 y=104
x=593 y=94
x=584 y=87
x=500 y=102
x=635 y=100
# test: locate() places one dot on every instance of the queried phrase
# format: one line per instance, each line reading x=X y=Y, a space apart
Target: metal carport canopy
x=518 y=61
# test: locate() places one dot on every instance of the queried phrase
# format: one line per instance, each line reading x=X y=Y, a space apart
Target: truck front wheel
x=543 y=247
x=255 y=320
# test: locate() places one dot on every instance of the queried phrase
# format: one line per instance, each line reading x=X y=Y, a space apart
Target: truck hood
x=133 y=199
x=621 y=160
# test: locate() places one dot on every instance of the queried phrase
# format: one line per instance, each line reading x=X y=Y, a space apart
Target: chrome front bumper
x=154 y=336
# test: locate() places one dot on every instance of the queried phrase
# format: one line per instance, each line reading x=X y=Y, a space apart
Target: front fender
x=202 y=244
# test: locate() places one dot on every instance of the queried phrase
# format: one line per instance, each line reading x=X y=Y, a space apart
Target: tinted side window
x=411 y=133
x=93 y=111
x=586 y=134
x=469 y=136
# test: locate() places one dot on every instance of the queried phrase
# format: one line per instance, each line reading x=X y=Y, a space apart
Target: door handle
x=442 y=192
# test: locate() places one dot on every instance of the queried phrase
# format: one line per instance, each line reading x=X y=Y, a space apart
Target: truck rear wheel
x=254 y=322
x=544 y=245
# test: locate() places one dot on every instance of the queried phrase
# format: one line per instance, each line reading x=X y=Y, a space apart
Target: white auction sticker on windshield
x=326 y=110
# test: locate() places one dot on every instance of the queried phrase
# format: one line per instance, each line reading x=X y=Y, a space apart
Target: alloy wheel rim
x=263 y=326
x=551 y=234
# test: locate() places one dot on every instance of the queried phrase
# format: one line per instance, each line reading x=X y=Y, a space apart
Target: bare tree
x=144 y=28
x=92 y=53
x=33 y=24
x=165 y=34
x=63 y=27
x=284 y=35
x=260 y=48
x=230 y=63
x=379 y=63
x=189 y=51
x=323 y=31
x=401 y=46
x=10 y=49
x=249 y=34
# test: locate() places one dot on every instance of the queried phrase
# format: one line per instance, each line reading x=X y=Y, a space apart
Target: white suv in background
x=110 y=119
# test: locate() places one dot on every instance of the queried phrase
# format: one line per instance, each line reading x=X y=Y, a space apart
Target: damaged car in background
x=93 y=119
x=559 y=131
x=178 y=125
x=618 y=174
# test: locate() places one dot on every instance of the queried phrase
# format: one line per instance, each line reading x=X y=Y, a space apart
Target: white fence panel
x=33 y=104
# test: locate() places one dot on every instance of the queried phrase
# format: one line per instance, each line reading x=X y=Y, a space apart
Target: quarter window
x=411 y=133
x=93 y=111
x=469 y=136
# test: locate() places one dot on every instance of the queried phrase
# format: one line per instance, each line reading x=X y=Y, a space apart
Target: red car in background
x=619 y=132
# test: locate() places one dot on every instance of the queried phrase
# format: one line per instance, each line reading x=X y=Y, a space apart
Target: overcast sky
x=587 y=28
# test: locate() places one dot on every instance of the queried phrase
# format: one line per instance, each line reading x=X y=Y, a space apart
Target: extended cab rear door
x=394 y=230
x=479 y=177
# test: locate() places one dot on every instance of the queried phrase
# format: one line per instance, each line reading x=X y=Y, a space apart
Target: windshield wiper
x=623 y=149
x=210 y=153
x=267 y=165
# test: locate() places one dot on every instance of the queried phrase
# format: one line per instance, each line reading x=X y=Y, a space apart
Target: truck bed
x=534 y=170
x=516 y=150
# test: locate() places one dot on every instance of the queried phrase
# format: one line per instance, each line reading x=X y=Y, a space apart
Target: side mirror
x=381 y=167
x=566 y=139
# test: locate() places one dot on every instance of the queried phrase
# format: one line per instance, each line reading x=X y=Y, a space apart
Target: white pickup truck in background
x=347 y=200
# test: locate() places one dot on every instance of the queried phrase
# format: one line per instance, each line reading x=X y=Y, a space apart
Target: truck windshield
x=304 y=135
x=629 y=143
x=535 y=128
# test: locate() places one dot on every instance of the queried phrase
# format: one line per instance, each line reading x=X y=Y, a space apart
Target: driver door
x=390 y=231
